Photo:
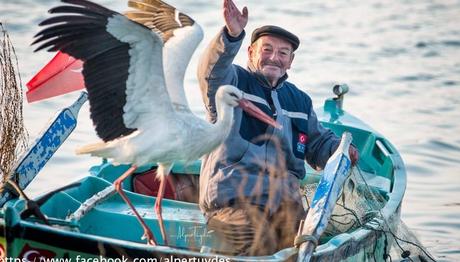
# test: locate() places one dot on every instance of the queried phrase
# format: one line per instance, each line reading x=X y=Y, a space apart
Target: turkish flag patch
x=301 y=142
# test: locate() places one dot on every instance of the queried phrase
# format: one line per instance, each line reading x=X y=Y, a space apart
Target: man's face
x=271 y=56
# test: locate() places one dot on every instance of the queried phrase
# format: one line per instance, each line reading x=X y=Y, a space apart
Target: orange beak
x=254 y=111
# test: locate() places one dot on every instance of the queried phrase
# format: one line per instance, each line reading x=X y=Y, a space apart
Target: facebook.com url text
x=123 y=259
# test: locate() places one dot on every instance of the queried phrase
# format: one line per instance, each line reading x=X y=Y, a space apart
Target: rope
x=300 y=239
x=91 y=202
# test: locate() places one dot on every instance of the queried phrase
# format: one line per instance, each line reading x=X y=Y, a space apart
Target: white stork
x=134 y=73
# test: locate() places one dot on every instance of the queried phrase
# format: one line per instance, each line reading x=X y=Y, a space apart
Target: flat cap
x=275 y=31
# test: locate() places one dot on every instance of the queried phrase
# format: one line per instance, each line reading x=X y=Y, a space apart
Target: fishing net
x=13 y=135
x=407 y=246
x=359 y=204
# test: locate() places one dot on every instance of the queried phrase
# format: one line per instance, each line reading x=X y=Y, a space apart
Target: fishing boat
x=84 y=221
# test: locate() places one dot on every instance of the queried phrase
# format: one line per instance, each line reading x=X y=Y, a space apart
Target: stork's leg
x=118 y=186
x=162 y=172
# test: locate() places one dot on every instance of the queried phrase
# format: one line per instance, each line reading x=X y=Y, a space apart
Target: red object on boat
x=63 y=74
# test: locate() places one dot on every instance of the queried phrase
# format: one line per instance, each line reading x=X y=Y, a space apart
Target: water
x=400 y=58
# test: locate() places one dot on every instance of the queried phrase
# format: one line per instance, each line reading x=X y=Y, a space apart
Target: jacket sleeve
x=322 y=142
x=215 y=68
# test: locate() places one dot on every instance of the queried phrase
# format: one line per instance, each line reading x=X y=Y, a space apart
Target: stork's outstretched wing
x=123 y=65
x=181 y=35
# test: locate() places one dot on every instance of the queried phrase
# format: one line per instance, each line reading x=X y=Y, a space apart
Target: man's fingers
x=232 y=5
x=245 y=12
x=235 y=20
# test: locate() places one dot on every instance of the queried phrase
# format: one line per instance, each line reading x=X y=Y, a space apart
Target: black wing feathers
x=91 y=6
x=74 y=19
x=80 y=31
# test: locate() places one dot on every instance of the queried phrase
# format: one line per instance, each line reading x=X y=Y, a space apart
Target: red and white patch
x=29 y=253
x=301 y=142
x=303 y=138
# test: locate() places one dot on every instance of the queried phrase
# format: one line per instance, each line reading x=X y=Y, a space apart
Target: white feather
x=145 y=88
x=177 y=52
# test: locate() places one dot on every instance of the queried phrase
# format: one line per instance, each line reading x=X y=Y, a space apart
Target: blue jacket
x=258 y=163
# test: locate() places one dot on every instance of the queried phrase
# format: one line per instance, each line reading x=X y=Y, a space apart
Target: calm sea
x=400 y=58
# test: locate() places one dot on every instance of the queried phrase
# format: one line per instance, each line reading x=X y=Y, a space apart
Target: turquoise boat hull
x=110 y=230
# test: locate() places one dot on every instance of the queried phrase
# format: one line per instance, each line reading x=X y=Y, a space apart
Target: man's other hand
x=354 y=155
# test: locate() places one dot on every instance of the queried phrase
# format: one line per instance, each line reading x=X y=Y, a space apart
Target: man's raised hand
x=235 y=20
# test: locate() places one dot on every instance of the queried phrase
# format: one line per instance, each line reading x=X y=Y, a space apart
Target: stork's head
x=232 y=96
x=229 y=94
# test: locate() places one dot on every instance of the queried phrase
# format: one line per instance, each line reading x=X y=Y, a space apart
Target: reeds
x=13 y=135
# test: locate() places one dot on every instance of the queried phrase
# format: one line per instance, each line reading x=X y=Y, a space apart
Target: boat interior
x=184 y=222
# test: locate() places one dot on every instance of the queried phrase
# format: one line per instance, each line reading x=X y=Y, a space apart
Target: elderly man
x=249 y=186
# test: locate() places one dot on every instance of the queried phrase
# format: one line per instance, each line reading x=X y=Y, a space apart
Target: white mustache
x=271 y=64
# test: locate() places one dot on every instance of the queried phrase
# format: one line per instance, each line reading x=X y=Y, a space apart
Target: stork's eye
x=234 y=95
